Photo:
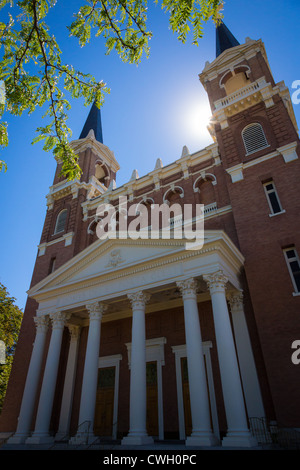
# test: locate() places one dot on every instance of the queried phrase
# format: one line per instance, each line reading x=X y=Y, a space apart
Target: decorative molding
x=237 y=172
x=41 y=323
x=138 y=299
x=216 y=281
x=235 y=300
x=115 y=258
x=96 y=310
x=58 y=319
x=204 y=176
x=75 y=331
x=188 y=288
x=289 y=152
x=59 y=285
x=67 y=238
x=154 y=177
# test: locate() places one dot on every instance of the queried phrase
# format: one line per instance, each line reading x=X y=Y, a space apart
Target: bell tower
x=254 y=125
x=65 y=233
x=251 y=114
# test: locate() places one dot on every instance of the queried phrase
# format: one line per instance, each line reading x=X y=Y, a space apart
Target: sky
x=152 y=111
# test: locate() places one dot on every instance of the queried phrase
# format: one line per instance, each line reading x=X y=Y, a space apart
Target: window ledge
x=296 y=294
x=277 y=213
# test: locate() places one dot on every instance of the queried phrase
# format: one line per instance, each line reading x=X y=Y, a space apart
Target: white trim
x=204 y=176
x=289 y=152
x=236 y=172
x=180 y=351
x=155 y=352
x=67 y=238
x=113 y=361
x=288 y=260
x=173 y=188
x=277 y=213
x=267 y=193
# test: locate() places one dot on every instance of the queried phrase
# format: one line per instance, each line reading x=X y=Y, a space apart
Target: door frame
x=180 y=351
x=113 y=361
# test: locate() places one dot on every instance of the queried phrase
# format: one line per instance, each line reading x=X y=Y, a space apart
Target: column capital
x=188 y=287
x=235 y=299
x=96 y=310
x=58 y=319
x=216 y=281
x=74 y=331
x=138 y=299
x=41 y=323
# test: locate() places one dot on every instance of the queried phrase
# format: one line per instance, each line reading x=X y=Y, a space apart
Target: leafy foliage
x=34 y=75
x=10 y=323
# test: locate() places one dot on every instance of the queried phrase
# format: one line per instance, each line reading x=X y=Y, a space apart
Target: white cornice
x=65 y=187
x=156 y=176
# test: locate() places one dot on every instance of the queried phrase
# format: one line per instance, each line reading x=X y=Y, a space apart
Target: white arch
x=204 y=176
x=232 y=70
x=173 y=189
x=145 y=200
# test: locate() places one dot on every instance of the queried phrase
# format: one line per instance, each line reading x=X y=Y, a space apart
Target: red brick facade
x=272 y=312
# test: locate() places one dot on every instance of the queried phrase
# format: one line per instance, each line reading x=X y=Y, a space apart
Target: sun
x=195 y=119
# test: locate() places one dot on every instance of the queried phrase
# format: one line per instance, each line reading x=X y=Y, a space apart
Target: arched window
x=61 y=221
x=254 y=138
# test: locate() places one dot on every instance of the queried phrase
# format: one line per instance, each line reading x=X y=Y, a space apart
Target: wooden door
x=186 y=397
x=152 y=399
x=103 y=423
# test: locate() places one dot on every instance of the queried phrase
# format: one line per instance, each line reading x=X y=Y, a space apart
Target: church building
x=141 y=339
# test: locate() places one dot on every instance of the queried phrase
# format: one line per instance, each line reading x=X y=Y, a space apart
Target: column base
x=40 y=438
x=136 y=440
x=18 y=438
x=202 y=440
x=239 y=439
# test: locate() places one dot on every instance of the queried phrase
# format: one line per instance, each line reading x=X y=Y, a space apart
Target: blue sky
x=153 y=110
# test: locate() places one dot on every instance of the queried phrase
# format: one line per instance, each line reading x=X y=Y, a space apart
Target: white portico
x=116 y=278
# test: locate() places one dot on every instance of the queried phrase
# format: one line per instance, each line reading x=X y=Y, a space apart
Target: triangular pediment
x=127 y=261
x=104 y=257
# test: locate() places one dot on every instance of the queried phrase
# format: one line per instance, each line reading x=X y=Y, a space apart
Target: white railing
x=240 y=94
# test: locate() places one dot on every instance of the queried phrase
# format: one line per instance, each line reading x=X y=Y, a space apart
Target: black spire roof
x=225 y=39
x=93 y=122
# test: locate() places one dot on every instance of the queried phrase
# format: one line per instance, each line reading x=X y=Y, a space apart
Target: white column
x=32 y=380
x=238 y=434
x=138 y=401
x=201 y=426
x=41 y=432
x=67 y=399
x=85 y=432
x=250 y=381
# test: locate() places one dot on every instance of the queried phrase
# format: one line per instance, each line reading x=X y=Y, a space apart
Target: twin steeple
x=224 y=39
x=93 y=122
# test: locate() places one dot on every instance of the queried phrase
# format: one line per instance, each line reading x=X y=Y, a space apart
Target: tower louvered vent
x=254 y=138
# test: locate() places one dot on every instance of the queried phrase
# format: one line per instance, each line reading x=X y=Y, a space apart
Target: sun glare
x=196 y=120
